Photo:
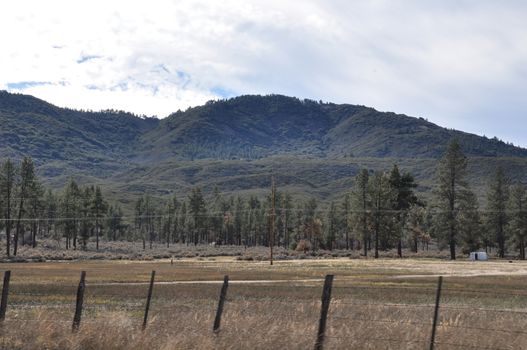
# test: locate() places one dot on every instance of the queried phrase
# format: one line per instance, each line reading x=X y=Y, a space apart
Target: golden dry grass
x=384 y=304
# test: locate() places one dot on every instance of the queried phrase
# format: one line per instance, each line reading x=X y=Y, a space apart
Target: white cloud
x=458 y=63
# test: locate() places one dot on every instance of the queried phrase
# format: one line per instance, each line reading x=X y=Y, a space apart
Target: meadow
x=376 y=304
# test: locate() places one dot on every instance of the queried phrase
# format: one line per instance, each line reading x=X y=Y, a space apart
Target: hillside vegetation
x=313 y=148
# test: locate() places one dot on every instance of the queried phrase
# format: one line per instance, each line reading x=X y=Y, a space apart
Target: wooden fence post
x=148 y=298
x=326 y=298
x=78 y=305
x=5 y=293
x=219 y=311
x=436 y=312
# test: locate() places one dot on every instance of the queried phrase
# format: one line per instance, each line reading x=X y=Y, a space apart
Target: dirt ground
x=385 y=303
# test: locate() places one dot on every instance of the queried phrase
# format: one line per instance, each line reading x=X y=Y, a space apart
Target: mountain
x=313 y=148
x=30 y=126
x=261 y=126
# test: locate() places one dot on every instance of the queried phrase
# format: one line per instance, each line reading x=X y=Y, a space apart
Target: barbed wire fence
x=405 y=325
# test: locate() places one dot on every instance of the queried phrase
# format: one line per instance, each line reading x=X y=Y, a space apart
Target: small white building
x=478 y=256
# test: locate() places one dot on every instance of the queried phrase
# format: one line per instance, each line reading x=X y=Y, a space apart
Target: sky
x=460 y=64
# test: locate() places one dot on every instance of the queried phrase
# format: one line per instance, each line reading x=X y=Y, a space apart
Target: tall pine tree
x=451 y=190
x=7 y=189
x=497 y=198
x=518 y=216
x=360 y=207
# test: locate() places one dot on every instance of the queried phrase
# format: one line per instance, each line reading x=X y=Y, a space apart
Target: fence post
x=5 y=292
x=219 y=311
x=436 y=312
x=148 y=298
x=326 y=298
x=78 y=305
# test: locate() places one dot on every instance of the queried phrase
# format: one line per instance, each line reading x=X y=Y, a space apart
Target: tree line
x=382 y=211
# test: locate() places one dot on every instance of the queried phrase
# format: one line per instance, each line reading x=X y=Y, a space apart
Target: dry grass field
x=376 y=304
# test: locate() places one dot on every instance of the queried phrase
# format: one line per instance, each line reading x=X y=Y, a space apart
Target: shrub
x=303 y=246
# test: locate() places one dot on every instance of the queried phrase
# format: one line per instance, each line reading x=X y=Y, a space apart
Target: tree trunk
x=452 y=241
x=34 y=232
x=96 y=232
x=501 y=242
x=17 y=232
x=376 y=241
x=75 y=237
x=452 y=245
x=8 y=224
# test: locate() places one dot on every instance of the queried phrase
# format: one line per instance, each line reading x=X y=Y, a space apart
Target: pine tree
x=25 y=187
x=518 y=216
x=382 y=197
x=198 y=210
x=286 y=206
x=7 y=188
x=331 y=226
x=51 y=211
x=346 y=220
x=175 y=211
x=450 y=192
x=238 y=220
x=70 y=211
x=254 y=223
x=361 y=206
x=35 y=209
x=470 y=223
x=86 y=219
x=167 y=225
x=216 y=208
x=403 y=187
x=183 y=224
x=114 y=222
x=497 y=198
x=139 y=221
x=148 y=217
x=312 y=225
x=415 y=224
x=98 y=210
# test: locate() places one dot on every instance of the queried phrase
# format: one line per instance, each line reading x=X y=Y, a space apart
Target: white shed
x=478 y=256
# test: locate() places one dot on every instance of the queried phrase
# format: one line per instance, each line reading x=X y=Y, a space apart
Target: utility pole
x=284 y=224
x=271 y=216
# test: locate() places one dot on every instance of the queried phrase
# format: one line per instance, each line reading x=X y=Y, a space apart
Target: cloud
x=22 y=85
x=85 y=58
x=458 y=63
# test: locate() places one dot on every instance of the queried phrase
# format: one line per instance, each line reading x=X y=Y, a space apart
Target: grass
x=375 y=304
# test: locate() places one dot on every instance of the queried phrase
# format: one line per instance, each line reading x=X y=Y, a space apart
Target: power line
x=222 y=214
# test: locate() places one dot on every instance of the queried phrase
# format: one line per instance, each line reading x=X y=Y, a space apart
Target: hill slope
x=312 y=148
x=30 y=126
x=260 y=126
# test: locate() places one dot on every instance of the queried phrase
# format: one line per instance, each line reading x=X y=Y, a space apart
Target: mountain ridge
x=259 y=126
x=312 y=146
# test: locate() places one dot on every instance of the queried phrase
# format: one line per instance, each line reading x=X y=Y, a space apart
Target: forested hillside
x=313 y=148
x=204 y=175
x=32 y=127
x=252 y=127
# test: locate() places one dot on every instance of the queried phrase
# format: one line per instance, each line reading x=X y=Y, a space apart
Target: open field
x=384 y=304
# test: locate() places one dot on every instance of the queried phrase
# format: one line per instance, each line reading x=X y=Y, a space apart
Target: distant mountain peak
x=242 y=127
